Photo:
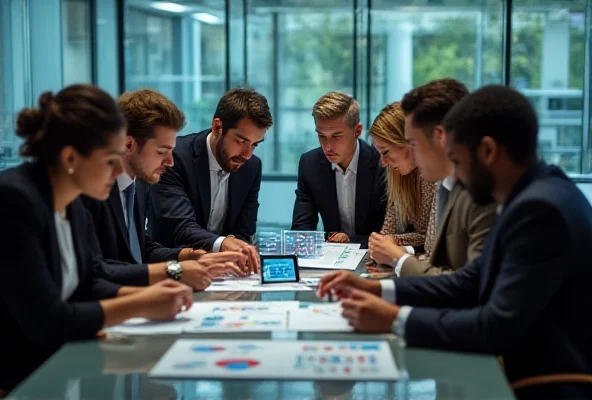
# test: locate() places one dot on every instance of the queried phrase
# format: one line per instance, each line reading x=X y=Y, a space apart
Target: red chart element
x=237 y=364
x=207 y=349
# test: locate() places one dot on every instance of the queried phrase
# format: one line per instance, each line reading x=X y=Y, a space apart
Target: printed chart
x=253 y=284
x=232 y=322
x=318 y=317
x=244 y=316
x=336 y=256
x=263 y=359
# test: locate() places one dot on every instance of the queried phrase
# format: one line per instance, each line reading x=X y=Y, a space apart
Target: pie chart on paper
x=237 y=364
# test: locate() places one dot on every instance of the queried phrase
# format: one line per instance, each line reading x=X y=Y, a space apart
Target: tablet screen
x=278 y=269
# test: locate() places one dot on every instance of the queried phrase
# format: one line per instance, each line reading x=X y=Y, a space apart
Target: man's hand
x=236 y=258
x=340 y=281
x=368 y=313
x=223 y=269
x=339 y=238
x=384 y=249
x=233 y=244
x=190 y=254
x=163 y=300
x=195 y=275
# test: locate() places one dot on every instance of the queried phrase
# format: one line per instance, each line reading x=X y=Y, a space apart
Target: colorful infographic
x=318 y=317
x=232 y=322
x=278 y=360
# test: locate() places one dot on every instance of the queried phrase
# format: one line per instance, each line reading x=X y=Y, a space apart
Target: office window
x=548 y=64
x=414 y=45
x=180 y=51
x=76 y=42
x=14 y=77
x=295 y=54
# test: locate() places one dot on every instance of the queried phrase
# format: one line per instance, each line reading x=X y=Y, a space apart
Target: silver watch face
x=174 y=270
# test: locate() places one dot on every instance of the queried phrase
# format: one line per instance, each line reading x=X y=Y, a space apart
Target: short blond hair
x=334 y=105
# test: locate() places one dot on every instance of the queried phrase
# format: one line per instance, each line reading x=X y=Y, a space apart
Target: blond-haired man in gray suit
x=458 y=227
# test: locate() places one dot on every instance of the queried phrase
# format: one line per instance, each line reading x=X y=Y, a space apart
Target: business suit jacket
x=180 y=202
x=526 y=297
x=459 y=238
x=35 y=321
x=317 y=193
x=118 y=264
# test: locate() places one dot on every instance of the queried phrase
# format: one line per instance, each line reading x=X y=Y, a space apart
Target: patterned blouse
x=424 y=225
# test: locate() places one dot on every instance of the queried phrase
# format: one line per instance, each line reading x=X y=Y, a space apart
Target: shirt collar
x=353 y=165
x=123 y=181
x=214 y=166
x=448 y=182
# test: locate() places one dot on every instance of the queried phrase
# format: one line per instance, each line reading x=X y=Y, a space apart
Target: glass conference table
x=118 y=369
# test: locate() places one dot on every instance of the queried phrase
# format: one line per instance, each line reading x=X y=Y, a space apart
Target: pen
x=331 y=236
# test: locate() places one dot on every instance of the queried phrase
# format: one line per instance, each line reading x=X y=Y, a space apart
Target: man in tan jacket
x=458 y=227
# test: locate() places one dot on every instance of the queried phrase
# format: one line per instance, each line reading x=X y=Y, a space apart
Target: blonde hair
x=335 y=105
x=403 y=192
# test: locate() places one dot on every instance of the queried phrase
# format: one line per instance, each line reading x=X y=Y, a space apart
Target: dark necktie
x=132 y=232
x=442 y=200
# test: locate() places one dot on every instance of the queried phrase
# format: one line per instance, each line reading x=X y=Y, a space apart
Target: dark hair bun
x=81 y=116
x=29 y=124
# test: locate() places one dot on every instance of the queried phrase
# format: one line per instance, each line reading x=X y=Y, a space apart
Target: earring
x=71 y=171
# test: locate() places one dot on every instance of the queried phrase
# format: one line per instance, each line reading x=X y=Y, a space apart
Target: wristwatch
x=174 y=270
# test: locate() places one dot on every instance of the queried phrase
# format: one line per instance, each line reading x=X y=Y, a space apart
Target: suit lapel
x=327 y=177
x=364 y=183
x=117 y=209
x=490 y=262
x=54 y=248
x=442 y=227
x=41 y=175
x=78 y=239
x=202 y=173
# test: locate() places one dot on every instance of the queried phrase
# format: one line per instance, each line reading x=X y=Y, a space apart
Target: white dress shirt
x=346 y=193
x=67 y=256
x=218 y=196
x=123 y=181
x=389 y=292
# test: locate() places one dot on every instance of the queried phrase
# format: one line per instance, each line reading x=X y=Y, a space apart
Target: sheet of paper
x=265 y=359
x=216 y=307
x=143 y=326
x=318 y=317
x=230 y=321
x=250 y=285
x=336 y=256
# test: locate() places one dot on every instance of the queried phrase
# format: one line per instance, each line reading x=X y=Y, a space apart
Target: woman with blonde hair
x=410 y=199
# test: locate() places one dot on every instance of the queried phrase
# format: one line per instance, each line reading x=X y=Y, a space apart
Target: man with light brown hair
x=128 y=255
x=342 y=180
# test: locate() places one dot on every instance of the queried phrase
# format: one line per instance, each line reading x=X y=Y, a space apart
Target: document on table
x=237 y=316
x=144 y=326
x=285 y=359
x=253 y=285
x=318 y=317
x=336 y=256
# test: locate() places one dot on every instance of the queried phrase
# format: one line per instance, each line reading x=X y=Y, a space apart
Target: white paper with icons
x=318 y=317
x=336 y=256
x=267 y=359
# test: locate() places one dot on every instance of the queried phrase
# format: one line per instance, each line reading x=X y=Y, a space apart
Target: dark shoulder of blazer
x=35 y=321
x=190 y=179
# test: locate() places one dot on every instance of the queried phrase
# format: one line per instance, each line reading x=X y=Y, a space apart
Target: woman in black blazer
x=48 y=293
